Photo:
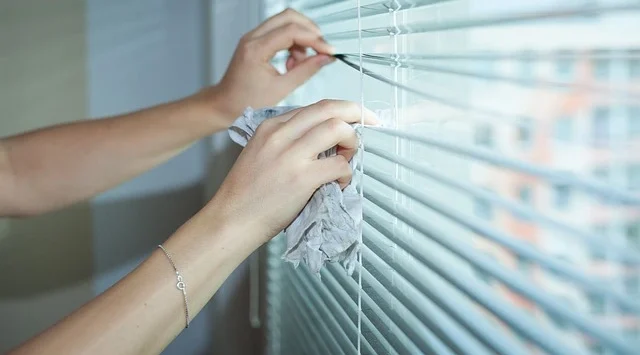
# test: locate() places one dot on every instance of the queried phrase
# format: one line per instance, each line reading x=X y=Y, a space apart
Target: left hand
x=251 y=80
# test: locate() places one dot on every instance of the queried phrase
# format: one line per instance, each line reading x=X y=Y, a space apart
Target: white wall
x=142 y=53
x=230 y=19
x=45 y=262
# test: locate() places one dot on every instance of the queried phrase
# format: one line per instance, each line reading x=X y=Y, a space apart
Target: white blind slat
x=501 y=201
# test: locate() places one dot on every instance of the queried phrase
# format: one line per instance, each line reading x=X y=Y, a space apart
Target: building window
x=483 y=209
x=564 y=69
x=596 y=252
x=524 y=265
x=632 y=285
x=525 y=132
x=561 y=196
x=482 y=275
x=633 y=125
x=601 y=174
x=596 y=304
x=526 y=68
x=634 y=68
x=633 y=177
x=601 y=68
x=633 y=234
x=525 y=194
x=563 y=130
x=596 y=349
x=483 y=135
x=600 y=124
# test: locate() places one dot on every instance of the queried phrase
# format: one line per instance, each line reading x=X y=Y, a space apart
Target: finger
x=286 y=36
x=334 y=168
x=297 y=55
x=290 y=63
x=285 y=17
x=299 y=72
x=313 y=115
x=326 y=135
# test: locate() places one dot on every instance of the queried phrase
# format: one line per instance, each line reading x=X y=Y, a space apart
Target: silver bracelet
x=180 y=285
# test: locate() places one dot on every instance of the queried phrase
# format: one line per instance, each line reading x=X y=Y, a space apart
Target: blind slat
x=466 y=316
x=338 y=314
x=518 y=247
x=349 y=303
x=519 y=18
x=608 y=193
x=433 y=318
x=518 y=209
x=422 y=336
x=472 y=288
x=397 y=336
x=324 y=319
x=508 y=277
x=302 y=323
x=416 y=64
x=378 y=8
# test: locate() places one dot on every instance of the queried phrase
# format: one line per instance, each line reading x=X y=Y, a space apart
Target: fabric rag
x=329 y=227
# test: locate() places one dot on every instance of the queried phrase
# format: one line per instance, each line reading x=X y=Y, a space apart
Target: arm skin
x=56 y=166
x=144 y=312
x=53 y=167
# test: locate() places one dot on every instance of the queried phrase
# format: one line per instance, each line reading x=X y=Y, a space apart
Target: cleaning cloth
x=329 y=227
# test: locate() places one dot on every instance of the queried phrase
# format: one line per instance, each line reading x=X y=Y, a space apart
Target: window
x=564 y=68
x=525 y=193
x=564 y=129
x=561 y=196
x=525 y=132
x=633 y=125
x=634 y=68
x=598 y=253
x=601 y=173
x=602 y=69
x=524 y=265
x=527 y=68
x=483 y=135
x=596 y=349
x=483 y=209
x=633 y=234
x=596 y=304
x=601 y=125
x=633 y=177
x=632 y=284
x=454 y=84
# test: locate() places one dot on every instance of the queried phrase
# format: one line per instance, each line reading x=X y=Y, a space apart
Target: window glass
x=601 y=125
x=561 y=196
x=564 y=129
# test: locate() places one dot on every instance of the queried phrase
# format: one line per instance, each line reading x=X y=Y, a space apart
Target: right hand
x=251 y=80
x=279 y=170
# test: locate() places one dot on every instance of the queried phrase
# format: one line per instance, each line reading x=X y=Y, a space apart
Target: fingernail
x=326 y=59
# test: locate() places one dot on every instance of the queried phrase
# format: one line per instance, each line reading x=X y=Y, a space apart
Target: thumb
x=304 y=70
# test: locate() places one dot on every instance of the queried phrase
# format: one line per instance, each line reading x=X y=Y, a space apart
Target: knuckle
x=325 y=103
x=352 y=106
x=292 y=27
x=334 y=125
x=289 y=11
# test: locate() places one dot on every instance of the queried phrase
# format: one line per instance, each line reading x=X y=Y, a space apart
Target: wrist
x=214 y=108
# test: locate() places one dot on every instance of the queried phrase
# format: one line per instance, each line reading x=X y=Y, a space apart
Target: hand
x=252 y=81
x=278 y=171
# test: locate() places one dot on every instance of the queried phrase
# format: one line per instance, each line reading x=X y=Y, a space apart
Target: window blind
x=501 y=201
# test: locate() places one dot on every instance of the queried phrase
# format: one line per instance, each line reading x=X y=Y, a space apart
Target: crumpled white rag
x=329 y=227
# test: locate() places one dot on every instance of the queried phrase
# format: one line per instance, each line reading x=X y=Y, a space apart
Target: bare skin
x=271 y=181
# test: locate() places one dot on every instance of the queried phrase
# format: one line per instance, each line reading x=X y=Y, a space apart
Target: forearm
x=60 y=165
x=143 y=312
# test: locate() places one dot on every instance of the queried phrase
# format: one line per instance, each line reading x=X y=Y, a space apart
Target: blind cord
x=361 y=163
